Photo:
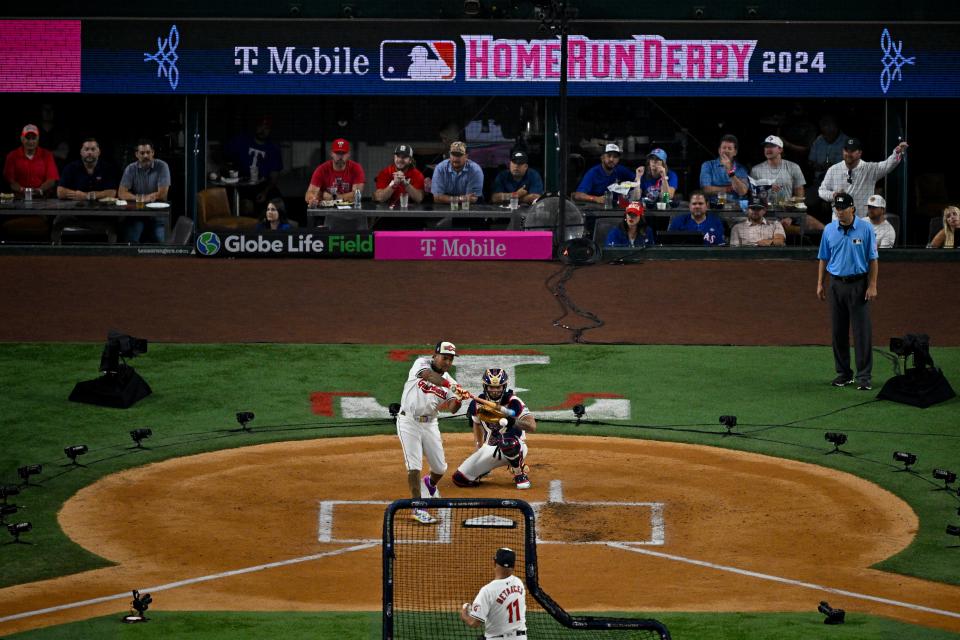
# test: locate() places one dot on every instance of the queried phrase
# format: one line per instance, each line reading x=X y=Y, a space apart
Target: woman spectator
x=946 y=238
x=633 y=231
x=654 y=177
x=275 y=217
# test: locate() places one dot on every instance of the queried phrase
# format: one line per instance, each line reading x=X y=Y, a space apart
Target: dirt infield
x=214 y=520
x=353 y=301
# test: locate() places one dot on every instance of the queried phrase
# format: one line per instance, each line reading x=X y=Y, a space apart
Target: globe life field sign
x=272 y=244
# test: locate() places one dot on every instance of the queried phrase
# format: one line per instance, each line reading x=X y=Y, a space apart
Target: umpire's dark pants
x=848 y=308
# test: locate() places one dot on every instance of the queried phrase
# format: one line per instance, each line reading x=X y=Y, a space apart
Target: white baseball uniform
x=487 y=457
x=502 y=607
x=417 y=424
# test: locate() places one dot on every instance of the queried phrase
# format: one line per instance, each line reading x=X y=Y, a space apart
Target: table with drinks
x=31 y=205
x=367 y=212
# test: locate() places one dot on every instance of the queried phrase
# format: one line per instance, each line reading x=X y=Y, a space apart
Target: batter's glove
x=460 y=392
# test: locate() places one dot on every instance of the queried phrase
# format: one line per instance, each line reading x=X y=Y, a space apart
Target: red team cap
x=341 y=146
x=635 y=209
x=445 y=348
x=30 y=128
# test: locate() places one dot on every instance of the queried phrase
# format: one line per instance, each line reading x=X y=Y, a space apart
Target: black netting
x=431 y=570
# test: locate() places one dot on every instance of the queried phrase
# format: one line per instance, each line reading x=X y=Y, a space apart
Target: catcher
x=498 y=435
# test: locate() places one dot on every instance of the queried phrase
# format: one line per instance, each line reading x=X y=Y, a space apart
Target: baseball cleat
x=429 y=489
x=522 y=481
x=842 y=381
x=423 y=517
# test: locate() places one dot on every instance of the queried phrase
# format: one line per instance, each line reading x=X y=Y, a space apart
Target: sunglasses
x=849 y=176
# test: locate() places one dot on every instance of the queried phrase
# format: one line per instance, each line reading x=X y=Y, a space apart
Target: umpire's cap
x=505 y=557
x=445 y=348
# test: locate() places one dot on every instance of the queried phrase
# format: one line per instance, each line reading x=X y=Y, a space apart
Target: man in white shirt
x=856 y=177
x=787 y=178
x=501 y=605
x=877 y=212
x=428 y=390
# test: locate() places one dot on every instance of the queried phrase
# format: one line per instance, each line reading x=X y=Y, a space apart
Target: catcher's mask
x=495 y=383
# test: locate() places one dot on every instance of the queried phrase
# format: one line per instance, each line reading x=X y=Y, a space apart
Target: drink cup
x=454 y=203
x=465 y=203
x=661 y=206
x=27 y=194
x=140 y=201
x=404 y=200
x=514 y=202
x=722 y=199
x=254 y=173
x=608 y=200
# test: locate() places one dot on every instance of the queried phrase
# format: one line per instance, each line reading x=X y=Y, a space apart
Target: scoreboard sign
x=420 y=57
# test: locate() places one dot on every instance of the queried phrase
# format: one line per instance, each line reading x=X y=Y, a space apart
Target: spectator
x=54 y=136
x=756 y=230
x=856 y=177
x=457 y=176
x=786 y=176
x=798 y=132
x=946 y=238
x=256 y=157
x=633 y=231
x=29 y=166
x=519 y=179
x=146 y=180
x=723 y=174
x=88 y=178
x=593 y=185
x=700 y=220
x=399 y=177
x=654 y=177
x=274 y=217
x=877 y=211
x=827 y=148
x=337 y=178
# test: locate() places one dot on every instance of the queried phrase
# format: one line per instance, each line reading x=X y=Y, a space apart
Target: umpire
x=848 y=251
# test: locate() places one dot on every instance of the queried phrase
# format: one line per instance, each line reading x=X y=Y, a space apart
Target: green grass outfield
x=780 y=395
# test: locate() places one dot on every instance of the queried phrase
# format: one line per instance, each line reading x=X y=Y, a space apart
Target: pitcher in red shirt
x=29 y=166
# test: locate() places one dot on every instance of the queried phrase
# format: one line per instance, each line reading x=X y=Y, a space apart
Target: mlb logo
x=418 y=60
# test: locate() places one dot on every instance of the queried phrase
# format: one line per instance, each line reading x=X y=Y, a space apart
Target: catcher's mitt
x=488 y=415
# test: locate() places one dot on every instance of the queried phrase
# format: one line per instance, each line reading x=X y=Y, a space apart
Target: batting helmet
x=495 y=378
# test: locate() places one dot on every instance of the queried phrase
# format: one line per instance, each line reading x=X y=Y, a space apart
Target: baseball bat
x=490 y=404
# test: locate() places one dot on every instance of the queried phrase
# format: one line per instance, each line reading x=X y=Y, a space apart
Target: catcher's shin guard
x=462 y=481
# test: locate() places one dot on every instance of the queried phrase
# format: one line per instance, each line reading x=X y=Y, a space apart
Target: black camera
x=834 y=616
x=728 y=421
x=835 y=438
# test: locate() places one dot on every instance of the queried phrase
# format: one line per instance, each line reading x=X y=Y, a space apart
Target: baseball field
x=649 y=506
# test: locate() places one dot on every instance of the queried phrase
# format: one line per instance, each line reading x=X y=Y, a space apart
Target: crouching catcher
x=499 y=433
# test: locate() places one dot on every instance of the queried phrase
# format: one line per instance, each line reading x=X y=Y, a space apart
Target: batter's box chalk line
x=444 y=528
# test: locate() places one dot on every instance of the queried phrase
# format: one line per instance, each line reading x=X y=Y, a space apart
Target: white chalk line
x=190 y=581
x=789 y=581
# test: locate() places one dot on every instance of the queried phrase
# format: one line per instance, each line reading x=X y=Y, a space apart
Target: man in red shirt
x=30 y=167
x=399 y=177
x=337 y=178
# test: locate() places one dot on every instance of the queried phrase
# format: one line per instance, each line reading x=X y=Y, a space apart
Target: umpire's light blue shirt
x=850 y=253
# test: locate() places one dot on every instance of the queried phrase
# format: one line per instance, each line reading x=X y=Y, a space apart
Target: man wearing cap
x=337 y=178
x=593 y=185
x=756 y=230
x=723 y=174
x=882 y=229
x=257 y=159
x=457 y=176
x=501 y=604
x=654 y=177
x=700 y=220
x=848 y=252
x=399 y=177
x=148 y=177
x=29 y=166
x=856 y=177
x=519 y=179
x=428 y=390
x=786 y=178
